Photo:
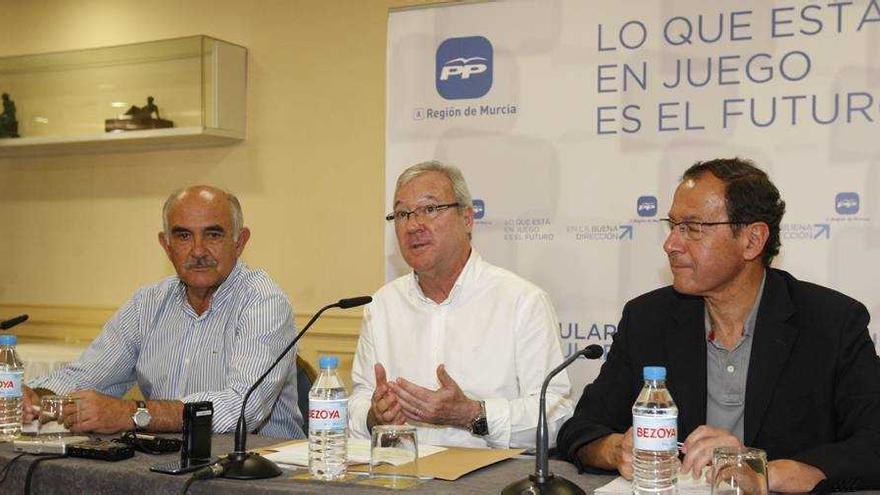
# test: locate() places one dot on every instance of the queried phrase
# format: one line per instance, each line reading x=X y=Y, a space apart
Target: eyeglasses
x=428 y=211
x=693 y=231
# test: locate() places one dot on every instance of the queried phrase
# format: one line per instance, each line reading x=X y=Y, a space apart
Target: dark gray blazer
x=813 y=387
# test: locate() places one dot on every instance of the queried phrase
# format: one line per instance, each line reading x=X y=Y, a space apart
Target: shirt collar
x=467 y=274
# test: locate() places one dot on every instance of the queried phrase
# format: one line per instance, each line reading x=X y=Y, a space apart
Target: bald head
x=206 y=194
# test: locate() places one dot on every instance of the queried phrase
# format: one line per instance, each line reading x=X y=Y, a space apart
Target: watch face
x=142 y=418
x=481 y=427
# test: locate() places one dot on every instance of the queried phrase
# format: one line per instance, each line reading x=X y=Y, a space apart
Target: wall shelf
x=62 y=99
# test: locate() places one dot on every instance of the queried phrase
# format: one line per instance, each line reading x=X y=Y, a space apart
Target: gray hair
x=234 y=206
x=459 y=186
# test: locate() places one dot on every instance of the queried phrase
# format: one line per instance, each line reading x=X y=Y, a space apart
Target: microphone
x=543 y=481
x=354 y=302
x=243 y=465
x=7 y=324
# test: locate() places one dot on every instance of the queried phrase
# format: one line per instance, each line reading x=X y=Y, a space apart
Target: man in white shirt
x=458 y=347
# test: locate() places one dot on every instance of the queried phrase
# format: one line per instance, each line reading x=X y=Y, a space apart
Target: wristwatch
x=141 y=416
x=480 y=426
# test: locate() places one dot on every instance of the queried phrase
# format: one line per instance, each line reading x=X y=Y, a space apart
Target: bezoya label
x=10 y=384
x=655 y=434
x=328 y=414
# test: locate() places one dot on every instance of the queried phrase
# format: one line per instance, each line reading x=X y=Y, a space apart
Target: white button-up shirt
x=497 y=335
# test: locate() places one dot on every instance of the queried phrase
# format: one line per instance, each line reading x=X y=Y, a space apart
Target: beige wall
x=79 y=232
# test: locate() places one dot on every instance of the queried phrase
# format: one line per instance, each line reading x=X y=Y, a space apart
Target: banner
x=573 y=122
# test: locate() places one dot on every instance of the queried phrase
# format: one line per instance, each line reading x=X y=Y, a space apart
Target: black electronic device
x=103 y=450
x=543 y=481
x=150 y=444
x=198 y=418
x=195 y=451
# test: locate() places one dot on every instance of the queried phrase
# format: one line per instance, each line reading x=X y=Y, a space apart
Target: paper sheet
x=686 y=484
x=297 y=454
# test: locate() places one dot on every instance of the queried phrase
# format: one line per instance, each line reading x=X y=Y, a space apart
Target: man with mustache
x=754 y=356
x=458 y=347
x=206 y=334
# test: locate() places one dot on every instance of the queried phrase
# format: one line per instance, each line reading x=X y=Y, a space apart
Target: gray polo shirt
x=726 y=373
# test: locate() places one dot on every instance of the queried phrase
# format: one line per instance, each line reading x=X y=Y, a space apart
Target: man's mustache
x=203 y=262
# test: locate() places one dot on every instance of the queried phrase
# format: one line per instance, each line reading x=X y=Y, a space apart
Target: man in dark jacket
x=754 y=356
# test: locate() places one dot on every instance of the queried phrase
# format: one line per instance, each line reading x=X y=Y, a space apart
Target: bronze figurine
x=8 y=124
x=139 y=118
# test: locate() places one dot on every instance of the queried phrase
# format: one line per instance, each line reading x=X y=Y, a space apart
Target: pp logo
x=464 y=68
x=646 y=206
x=847 y=203
x=479 y=209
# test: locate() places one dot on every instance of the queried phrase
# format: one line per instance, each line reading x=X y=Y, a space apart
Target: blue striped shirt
x=159 y=342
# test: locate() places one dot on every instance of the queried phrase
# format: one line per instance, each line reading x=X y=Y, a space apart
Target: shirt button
x=730 y=368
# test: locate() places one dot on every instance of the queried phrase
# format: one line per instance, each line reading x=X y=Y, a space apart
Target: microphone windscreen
x=593 y=351
x=354 y=302
x=13 y=321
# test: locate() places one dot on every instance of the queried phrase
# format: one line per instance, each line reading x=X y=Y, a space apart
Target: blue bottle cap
x=327 y=362
x=7 y=339
x=654 y=372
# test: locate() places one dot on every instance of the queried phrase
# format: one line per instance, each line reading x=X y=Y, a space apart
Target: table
x=84 y=476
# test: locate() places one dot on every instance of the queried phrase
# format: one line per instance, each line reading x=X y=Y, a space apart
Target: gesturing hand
x=445 y=406
x=384 y=407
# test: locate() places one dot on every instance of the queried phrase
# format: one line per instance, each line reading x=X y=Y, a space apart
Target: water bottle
x=655 y=436
x=328 y=423
x=11 y=373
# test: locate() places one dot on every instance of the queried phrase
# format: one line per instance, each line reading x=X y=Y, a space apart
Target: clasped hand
x=398 y=401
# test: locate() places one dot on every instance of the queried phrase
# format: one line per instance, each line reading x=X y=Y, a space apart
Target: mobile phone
x=198 y=418
x=176 y=467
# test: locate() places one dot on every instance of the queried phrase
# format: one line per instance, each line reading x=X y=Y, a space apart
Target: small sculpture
x=8 y=124
x=139 y=118
x=145 y=112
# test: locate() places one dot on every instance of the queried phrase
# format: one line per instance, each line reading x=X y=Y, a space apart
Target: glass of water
x=394 y=456
x=57 y=414
x=739 y=471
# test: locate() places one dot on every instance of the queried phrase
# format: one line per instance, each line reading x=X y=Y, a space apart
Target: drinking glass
x=394 y=456
x=57 y=413
x=739 y=471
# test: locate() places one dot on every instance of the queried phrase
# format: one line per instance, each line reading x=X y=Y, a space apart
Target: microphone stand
x=543 y=481
x=243 y=465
